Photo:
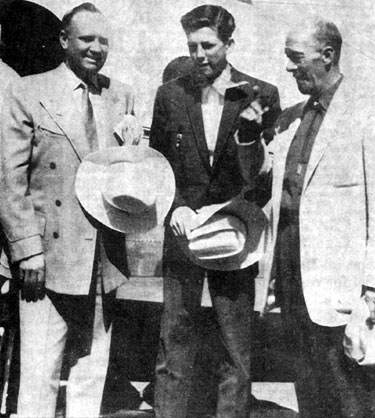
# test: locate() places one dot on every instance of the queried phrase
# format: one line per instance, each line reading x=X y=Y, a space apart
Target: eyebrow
x=293 y=53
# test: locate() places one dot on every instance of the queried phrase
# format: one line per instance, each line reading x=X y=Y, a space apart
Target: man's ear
x=328 y=55
x=63 y=39
x=230 y=45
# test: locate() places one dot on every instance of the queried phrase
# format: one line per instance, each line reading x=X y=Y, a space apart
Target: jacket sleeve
x=18 y=219
x=253 y=152
x=270 y=117
x=160 y=141
x=369 y=170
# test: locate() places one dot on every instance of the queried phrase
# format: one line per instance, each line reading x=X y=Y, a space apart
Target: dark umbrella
x=29 y=37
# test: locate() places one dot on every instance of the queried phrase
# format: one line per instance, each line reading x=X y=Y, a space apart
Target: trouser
x=43 y=333
x=232 y=295
x=327 y=384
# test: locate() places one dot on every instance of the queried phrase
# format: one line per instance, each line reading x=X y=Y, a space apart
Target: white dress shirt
x=212 y=107
x=98 y=105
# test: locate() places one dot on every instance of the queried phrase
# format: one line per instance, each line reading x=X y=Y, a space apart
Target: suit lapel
x=235 y=101
x=63 y=110
x=194 y=108
x=334 y=120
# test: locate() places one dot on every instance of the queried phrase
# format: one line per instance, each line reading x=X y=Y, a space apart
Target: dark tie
x=88 y=119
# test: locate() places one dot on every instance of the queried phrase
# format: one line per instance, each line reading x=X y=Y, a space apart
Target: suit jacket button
x=52 y=165
x=58 y=202
x=55 y=235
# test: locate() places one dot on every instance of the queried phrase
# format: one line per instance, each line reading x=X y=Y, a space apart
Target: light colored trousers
x=43 y=336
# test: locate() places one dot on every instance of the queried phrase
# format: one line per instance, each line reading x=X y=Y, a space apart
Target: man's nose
x=95 y=46
x=291 y=66
x=201 y=55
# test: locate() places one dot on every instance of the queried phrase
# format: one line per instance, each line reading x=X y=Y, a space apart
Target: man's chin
x=204 y=72
x=304 y=88
x=200 y=77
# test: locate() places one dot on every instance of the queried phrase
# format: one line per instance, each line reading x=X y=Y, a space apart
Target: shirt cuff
x=26 y=248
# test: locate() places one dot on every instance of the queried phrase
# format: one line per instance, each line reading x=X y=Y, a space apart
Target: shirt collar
x=224 y=82
x=74 y=82
x=323 y=100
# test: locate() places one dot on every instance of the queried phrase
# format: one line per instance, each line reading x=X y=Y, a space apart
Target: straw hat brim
x=255 y=221
x=91 y=178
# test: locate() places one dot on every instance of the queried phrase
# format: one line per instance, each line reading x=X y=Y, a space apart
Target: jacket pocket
x=345 y=185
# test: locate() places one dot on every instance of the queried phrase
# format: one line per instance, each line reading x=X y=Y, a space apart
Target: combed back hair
x=208 y=15
x=68 y=16
x=326 y=33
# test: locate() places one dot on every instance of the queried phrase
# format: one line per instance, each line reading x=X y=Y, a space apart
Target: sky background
x=147 y=35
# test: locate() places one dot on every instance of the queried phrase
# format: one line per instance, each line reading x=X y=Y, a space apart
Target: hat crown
x=135 y=195
x=220 y=236
x=128 y=189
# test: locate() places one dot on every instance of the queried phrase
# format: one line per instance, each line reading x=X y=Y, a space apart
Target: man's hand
x=369 y=296
x=32 y=275
x=130 y=130
x=251 y=120
x=254 y=112
x=183 y=221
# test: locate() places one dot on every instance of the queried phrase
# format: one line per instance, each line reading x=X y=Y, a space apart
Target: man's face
x=208 y=52
x=86 y=43
x=305 y=62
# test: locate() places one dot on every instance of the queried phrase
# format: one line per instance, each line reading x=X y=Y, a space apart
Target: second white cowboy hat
x=229 y=236
x=128 y=189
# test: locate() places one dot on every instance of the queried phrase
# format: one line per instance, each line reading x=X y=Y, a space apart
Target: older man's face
x=305 y=62
x=86 y=43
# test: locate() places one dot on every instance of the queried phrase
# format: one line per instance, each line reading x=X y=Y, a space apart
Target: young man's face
x=86 y=43
x=208 y=52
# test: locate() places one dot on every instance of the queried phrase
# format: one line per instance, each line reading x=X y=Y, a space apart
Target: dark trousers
x=232 y=295
x=327 y=385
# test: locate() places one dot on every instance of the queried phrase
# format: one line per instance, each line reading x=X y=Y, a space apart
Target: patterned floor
x=273 y=400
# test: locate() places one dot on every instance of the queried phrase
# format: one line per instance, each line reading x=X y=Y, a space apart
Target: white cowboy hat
x=128 y=189
x=229 y=236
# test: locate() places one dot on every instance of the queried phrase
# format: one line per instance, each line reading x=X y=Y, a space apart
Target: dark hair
x=326 y=33
x=84 y=7
x=208 y=15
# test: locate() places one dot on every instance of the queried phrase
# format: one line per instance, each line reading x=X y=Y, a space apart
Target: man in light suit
x=195 y=118
x=68 y=266
x=322 y=251
x=7 y=75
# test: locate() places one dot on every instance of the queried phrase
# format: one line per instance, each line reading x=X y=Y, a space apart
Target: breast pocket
x=47 y=133
x=186 y=152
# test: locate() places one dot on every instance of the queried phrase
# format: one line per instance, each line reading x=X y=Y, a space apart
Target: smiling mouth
x=91 y=59
x=204 y=66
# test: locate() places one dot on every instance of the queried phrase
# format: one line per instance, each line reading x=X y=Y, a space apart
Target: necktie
x=88 y=119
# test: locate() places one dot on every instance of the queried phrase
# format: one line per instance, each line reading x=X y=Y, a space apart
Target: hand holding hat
x=183 y=221
x=227 y=236
x=129 y=130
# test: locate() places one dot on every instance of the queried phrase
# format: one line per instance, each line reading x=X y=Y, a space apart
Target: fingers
x=176 y=228
x=131 y=130
x=256 y=91
x=370 y=300
x=256 y=109
x=32 y=275
x=371 y=306
x=183 y=220
x=33 y=286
